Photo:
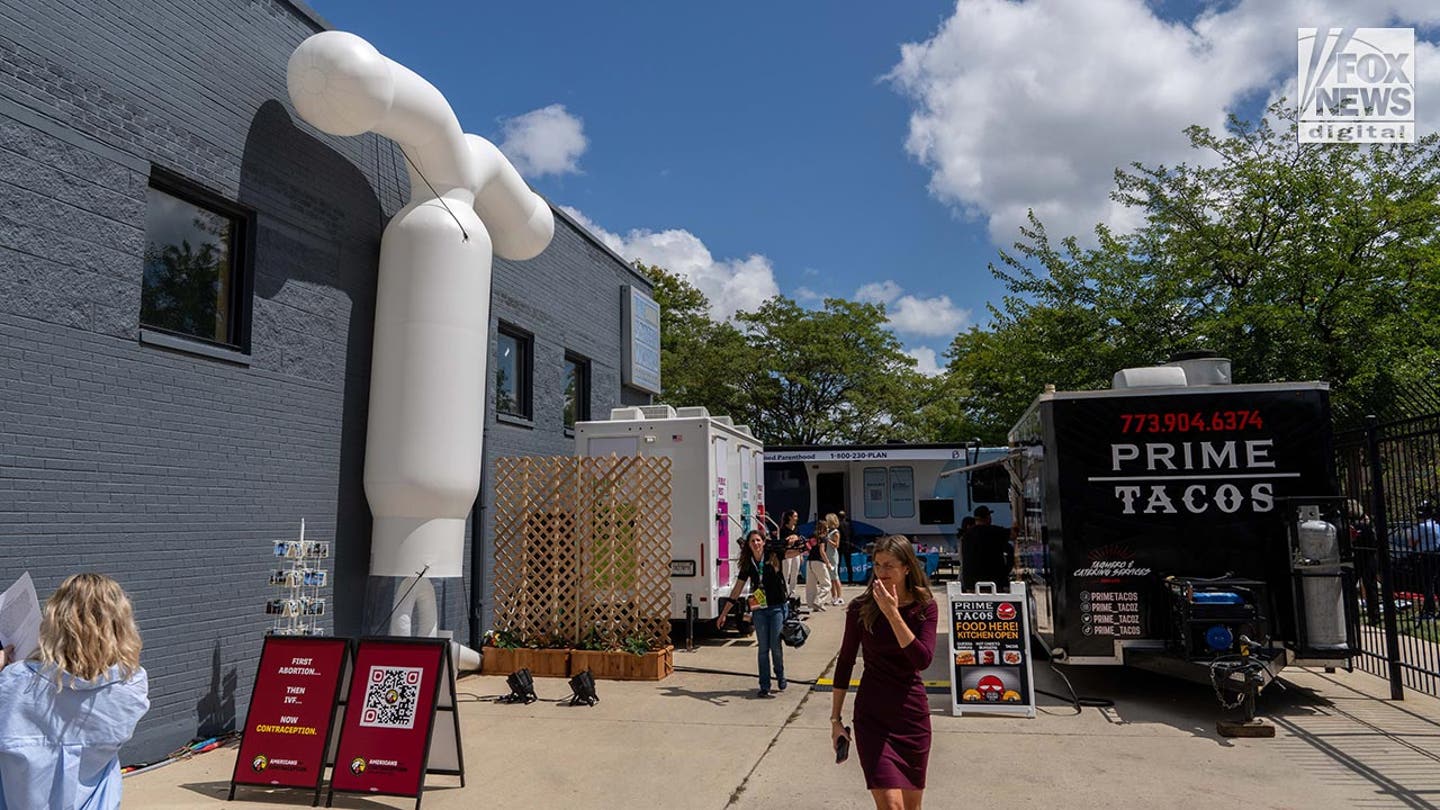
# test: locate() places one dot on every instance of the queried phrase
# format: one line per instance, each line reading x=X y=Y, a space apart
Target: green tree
x=702 y=362
x=831 y=375
x=1298 y=261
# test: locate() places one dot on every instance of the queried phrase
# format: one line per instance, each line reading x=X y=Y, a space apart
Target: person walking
x=65 y=711
x=847 y=546
x=760 y=568
x=793 y=542
x=1424 y=542
x=832 y=549
x=893 y=624
x=986 y=553
x=817 y=566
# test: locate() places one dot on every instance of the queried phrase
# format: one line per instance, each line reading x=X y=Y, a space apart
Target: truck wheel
x=746 y=628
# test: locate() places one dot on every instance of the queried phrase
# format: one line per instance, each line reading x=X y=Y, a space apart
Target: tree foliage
x=836 y=374
x=701 y=362
x=795 y=375
x=1298 y=261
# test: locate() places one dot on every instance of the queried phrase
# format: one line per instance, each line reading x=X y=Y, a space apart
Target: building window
x=512 y=373
x=902 y=492
x=195 y=282
x=577 y=390
x=877 y=504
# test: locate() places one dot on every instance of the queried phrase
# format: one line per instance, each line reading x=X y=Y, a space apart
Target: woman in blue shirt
x=65 y=712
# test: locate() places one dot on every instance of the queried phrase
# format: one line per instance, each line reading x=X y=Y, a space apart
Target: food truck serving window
x=877 y=503
x=902 y=492
x=990 y=485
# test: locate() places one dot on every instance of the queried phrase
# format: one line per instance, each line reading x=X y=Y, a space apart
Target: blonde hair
x=831 y=522
x=88 y=626
x=898 y=546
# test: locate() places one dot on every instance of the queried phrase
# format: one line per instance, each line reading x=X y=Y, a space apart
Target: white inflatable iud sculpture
x=432 y=314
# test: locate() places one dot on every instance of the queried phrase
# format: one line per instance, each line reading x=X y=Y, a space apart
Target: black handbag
x=794 y=632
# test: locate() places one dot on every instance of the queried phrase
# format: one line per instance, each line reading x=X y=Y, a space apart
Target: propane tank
x=1324 y=601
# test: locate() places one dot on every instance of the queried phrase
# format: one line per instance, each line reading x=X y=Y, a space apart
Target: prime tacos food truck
x=1181 y=523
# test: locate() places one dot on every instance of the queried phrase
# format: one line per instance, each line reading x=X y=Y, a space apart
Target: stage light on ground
x=522 y=687
x=583 y=687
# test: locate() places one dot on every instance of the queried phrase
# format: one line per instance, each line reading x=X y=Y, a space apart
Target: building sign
x=292 y=709
x=869 y=454
x=386 y=745
x=1357 y=85
x=641 y=318
x=990 y=652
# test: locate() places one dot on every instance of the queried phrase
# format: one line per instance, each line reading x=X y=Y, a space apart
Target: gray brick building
x=172 y=461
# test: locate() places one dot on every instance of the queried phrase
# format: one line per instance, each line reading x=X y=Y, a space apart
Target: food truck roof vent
x=725 y=420
x=626 y=415
x=658 y=411
x=692 y=411
x=1149 y=377
x=1203 y=368
x=1186 y=369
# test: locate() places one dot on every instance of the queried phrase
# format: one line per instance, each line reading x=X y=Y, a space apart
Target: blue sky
x=858 y=149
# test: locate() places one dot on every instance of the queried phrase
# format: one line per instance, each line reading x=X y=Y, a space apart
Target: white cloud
x=731 y=285
x=545 y=141
x=610 y=240
x=925 y=361
x=1034 y=104
x=805 y=295
x=878 y=292
x=912 y=315
x=929 y=317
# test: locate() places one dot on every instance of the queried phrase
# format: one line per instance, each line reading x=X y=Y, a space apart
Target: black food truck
x=1180 y=523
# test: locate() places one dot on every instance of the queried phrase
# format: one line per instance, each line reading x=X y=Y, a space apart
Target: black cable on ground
x=1075 y=699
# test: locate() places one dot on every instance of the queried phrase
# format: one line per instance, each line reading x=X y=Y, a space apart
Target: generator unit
x=1211 y=617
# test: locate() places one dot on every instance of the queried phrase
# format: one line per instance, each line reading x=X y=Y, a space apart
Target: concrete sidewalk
x=701 y=740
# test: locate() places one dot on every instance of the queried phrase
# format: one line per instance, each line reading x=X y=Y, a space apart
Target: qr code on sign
x=390 y=697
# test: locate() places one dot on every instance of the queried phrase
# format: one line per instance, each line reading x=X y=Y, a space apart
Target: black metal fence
x=1390 y=470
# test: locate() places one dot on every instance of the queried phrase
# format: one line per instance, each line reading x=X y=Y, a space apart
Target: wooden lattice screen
x=582 y=548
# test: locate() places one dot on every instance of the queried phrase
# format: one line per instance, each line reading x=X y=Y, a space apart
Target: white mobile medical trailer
x=716 y=486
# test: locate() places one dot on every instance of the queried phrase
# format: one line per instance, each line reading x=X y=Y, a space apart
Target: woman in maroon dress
x=894 y=623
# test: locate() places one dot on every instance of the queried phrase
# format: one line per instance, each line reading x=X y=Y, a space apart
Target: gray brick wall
x=172 y=471
x=564 y=298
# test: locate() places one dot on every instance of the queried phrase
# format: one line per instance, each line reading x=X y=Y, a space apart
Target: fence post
x=1382 y=547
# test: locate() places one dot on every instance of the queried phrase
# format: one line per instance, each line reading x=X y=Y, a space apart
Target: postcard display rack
x=298 y=607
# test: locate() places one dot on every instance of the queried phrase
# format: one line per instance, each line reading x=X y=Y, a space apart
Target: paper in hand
x=20 y=617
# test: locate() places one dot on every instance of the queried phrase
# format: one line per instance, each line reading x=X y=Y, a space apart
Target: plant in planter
x=633 y=661
x=550 y=657
x=636 y=645
x=502 y=653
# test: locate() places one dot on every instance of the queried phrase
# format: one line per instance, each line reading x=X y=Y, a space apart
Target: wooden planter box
x=623 y=666
x=550 y=663
x=541 y=663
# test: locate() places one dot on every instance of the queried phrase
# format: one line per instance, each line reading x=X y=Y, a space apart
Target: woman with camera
x=761 y=567
x=790 y=539
x=894 y=623
x=65 y=712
